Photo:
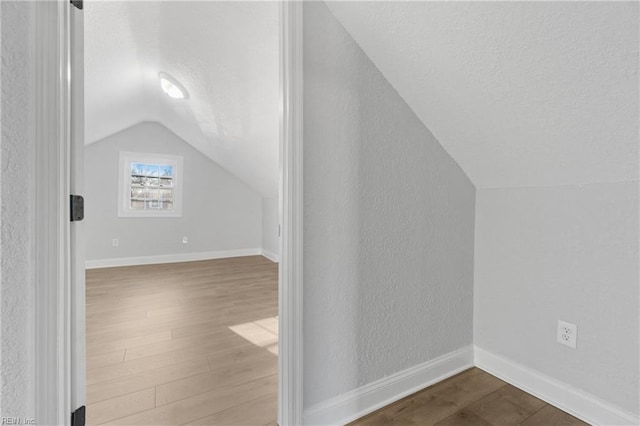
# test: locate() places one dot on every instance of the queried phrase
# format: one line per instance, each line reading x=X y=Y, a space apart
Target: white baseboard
x=170 y=258
x=271 y=256
x=576 y=402
x=359 y=402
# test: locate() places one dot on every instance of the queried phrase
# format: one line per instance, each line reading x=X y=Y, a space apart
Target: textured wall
x=569 y=253
x=389 y=224
x=218 y=211
x=520 y=93
x=270 y=225
x=16 y=216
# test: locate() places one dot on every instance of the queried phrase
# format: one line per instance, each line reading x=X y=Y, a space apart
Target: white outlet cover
x=115 y=242
x=185 y=240
x=567 y=334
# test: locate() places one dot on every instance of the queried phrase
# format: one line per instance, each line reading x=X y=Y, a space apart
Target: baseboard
x=271 y=256
x=170 y=258
x=576 y=402
x=359 y=402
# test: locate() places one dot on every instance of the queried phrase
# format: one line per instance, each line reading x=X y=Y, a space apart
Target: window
x=150 y=185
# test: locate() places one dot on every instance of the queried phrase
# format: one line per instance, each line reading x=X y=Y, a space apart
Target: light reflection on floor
x=263 y=333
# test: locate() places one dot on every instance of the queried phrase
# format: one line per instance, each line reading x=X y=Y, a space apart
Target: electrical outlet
x=115 y=242
x=185 y=240
x=567 y=334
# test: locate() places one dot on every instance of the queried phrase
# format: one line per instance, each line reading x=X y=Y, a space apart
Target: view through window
x=150 y=185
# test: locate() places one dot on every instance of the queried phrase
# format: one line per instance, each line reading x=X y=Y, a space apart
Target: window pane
x=137 y=205
x=151 y=186
x=151 y=194
x=166 y=170
x=137 y=193
x=150 y=181
x=137 y=168
x=166 y=194
x=150 y=170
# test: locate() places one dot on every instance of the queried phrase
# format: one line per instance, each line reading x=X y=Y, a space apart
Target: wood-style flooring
x=471 y=398
x=183 y=343
x=195 y=343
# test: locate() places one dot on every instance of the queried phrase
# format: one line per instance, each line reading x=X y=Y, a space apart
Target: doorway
x=184 y=194
x=60 y=381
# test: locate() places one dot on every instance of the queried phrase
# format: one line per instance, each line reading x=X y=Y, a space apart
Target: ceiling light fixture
x=172 y=87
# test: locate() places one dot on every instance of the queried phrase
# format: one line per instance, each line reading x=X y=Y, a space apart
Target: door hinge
x=78 y=416
x=77 y=3
x=77 y=208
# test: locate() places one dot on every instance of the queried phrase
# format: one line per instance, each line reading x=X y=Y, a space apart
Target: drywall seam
x=583 y=405
x=171 y=258
x=368 y=398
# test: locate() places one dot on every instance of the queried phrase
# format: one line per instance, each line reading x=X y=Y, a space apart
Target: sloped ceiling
x=518 y=93
x=224 y=53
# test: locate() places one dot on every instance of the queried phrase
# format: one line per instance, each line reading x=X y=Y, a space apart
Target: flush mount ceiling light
x=172 y=87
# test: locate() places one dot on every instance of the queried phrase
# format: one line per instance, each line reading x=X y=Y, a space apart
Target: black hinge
x=77 y=3
x=78 y=416
x=77 y=208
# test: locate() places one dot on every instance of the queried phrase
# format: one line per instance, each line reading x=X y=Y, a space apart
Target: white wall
x=17 y=332
x=271 y=228
x=520 y=93
x=568 y=253
x=219 y=212
x=374 y=301
x=389 y=224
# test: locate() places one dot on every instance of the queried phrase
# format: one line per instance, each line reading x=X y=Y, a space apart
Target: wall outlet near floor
x=185 y=240
x=115 y=242
x=567 y=334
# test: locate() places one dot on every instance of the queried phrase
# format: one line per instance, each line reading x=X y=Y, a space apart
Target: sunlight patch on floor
x=262 y=333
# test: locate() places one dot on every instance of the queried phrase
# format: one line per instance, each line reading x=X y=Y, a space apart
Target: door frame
x=52 y=228
x=290 y=324
x=54 y=302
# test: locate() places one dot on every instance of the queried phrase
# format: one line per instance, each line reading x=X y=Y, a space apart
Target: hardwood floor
x=183 y=343
x=196 y=344
x=472 y=398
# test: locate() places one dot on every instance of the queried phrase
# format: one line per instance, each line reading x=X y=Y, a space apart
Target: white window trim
x=124 y=184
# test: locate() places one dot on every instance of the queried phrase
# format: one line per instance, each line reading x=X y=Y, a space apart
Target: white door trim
x=290 y=386
x=53 y=374
x=78 y=396
x=51 y=238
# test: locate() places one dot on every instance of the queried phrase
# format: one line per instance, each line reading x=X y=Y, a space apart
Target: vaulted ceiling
x=518 y=93
x=224 y=53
